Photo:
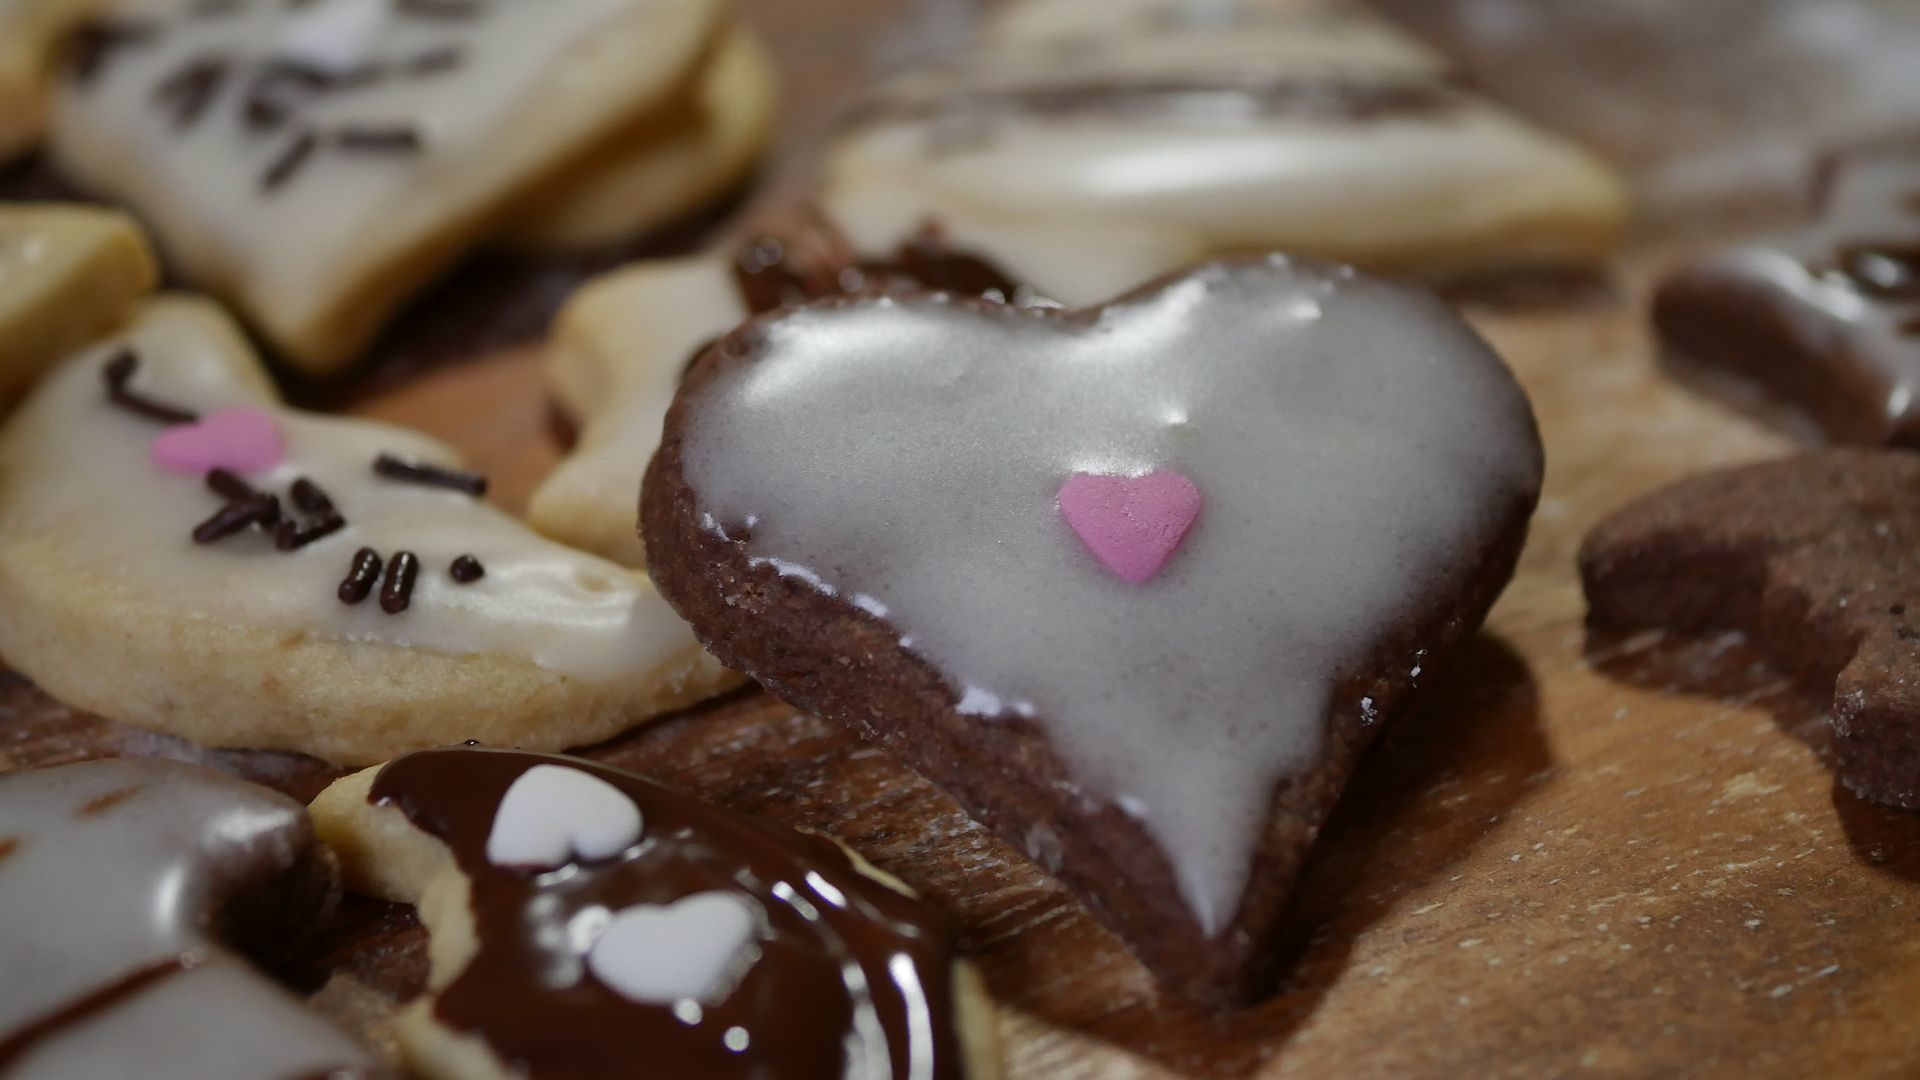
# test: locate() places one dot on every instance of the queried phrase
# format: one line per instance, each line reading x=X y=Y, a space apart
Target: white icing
x=1445 y=182
x=79 y=470
x=552 y=814
x=1353 y=453
x=93 y=897
x=692 y=950
x=535 y=80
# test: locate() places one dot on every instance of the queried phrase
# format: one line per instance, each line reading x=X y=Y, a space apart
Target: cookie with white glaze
x=67 y=275
x=1315 y=129
x=1137 y=584
x=29 y=33
x=582 y=915
x=686 y=158
x=133 y=890
x=180 y=551
x=1823 y=319
x=315 y=164
x=621 y=344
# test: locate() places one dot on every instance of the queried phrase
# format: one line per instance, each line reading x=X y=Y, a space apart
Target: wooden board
x=1582 y=857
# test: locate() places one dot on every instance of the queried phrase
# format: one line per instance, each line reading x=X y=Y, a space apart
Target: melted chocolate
x=844 y=961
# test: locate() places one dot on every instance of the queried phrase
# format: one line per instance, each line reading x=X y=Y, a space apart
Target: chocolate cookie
x=1136 y=584
x=1827 y=318
x=1815 y=558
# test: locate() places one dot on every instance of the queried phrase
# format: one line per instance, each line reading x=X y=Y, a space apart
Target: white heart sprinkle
x=553 y=814
x=660 y=954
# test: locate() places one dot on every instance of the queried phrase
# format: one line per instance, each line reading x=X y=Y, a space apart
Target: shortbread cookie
x=1136 y=584
x=1817 y=560
x=29 y=32
x=1252 y=124
x=672 y=166
x=582 y=915
x=67 y=275
x=131 y=888
x=180 y=551
x=315 y=163
x=1825 y=319
x=622 y=344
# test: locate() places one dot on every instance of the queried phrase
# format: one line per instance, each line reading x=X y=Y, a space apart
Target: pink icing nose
x=243 y=439
x=1132 y=524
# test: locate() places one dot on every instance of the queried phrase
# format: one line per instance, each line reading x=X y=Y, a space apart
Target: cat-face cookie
x=1825 y=319
x=622 y=344
x=1136 y=584
x=1313 y=129
x=131 y=888
x=180 y=551
x=67 y=275
x=582 y=915
x=1817 y=560
x=677 y=162
x=315 y=163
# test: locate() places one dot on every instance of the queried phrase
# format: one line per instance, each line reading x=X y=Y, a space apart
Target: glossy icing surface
x=714 y=946
x=112 y=874
x=1315 y=128
x=1847 y=285
x=81 y=472
x=1355 y=441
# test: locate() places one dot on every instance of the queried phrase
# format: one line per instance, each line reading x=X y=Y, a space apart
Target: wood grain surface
x=1581 y=857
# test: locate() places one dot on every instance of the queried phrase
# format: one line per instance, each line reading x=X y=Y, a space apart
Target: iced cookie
x=1817 y=560
x=132 y=889
x=67 y=275
x=180 y=551
x=582 y=915
x=1137 y=584
x=29 y=32
x=315 y=163
x=1825 y=319
x=621 y=345
x=673 y=165
x=1313 y=129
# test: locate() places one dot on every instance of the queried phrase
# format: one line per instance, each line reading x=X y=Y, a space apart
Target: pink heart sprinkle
x=1132 y=524
x=243 y=439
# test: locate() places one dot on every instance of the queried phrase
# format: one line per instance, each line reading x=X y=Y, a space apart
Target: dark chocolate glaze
x=847 y=966
x=816 y=261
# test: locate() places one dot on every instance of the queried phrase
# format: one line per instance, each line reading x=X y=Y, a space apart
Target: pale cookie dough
x=1314 y=129
x=132 y=890
x=315 y=164
x=682 y=161
x=130 y=588
x=67 y=275
x=582 y=914
x=29 y=32
x=621 y=345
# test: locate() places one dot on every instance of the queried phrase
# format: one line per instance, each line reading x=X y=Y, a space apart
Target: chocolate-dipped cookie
x=1816 y=559
x=130 y=888
x=1825 y=319
x=582 y=915
x=1137 y=584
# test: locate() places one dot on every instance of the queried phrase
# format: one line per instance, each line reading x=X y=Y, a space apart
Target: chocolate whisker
x=419 y=472
x=119 y=372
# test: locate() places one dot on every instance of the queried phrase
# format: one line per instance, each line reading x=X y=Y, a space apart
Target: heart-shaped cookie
x=553 y=814
x=856 y=502
x=662 y=953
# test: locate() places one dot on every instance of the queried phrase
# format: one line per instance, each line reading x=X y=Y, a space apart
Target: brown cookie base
x=1816 y=559
x=821 y=654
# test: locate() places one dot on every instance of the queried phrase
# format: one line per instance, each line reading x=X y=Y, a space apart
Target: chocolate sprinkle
x=397 y=591
x=466 y=570
x=361 y=577
x=95 y=43
x=229 y=486
x=296 y=155
x=190 y=90
x=311 y=500
x=119 y=372
x=292 y=537
x=420 y=472
x=236 y=517
x=438 y=9
x=392 y=140
x=435 y=61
